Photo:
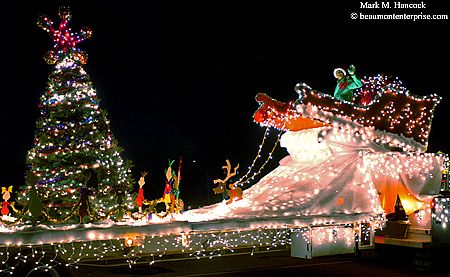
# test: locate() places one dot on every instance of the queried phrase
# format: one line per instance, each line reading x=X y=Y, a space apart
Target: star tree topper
x=65 y=40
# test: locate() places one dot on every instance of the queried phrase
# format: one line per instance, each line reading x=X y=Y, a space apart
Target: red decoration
x=63 y=37
x=5 y=210
x=65 y=40
x=140 y=197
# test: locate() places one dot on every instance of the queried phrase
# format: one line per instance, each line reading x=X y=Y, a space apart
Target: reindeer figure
x=140 y=197
x=230 y=189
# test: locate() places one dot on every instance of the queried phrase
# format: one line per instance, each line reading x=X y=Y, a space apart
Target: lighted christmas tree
x=75 y=156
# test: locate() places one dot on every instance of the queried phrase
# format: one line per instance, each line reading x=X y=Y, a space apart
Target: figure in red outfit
x=6 y=196
x=140 y=197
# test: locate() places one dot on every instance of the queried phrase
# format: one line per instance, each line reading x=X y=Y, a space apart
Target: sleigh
x=382 y=107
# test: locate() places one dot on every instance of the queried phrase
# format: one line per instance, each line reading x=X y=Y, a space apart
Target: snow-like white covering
x=322 y=176
x=329 y=176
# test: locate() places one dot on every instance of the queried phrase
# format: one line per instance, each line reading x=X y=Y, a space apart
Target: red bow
x=343 y=85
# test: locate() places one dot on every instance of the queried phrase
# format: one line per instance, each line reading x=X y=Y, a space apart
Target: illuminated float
x=387 y=127
x=346 y=160
x=356 y=156
x=346 y=165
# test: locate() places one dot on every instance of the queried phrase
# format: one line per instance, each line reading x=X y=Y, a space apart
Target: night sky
x=179 y=79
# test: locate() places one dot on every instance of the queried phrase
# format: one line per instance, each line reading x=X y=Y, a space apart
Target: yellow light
x=129 y=242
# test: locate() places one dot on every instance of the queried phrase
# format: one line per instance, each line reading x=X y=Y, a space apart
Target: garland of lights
x=243 y=180
x=266 y=133
x=196 y=245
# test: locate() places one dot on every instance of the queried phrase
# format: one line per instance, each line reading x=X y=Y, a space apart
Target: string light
x=441 y=214
x=245 y=179
x=194 y=244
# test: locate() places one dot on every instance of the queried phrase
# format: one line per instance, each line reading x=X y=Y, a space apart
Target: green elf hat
x=170 y=165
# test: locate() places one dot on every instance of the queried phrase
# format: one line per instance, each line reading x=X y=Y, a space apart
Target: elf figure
x=346 y=84
x=168 y=196
x=6 y=196
x=140 y=197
